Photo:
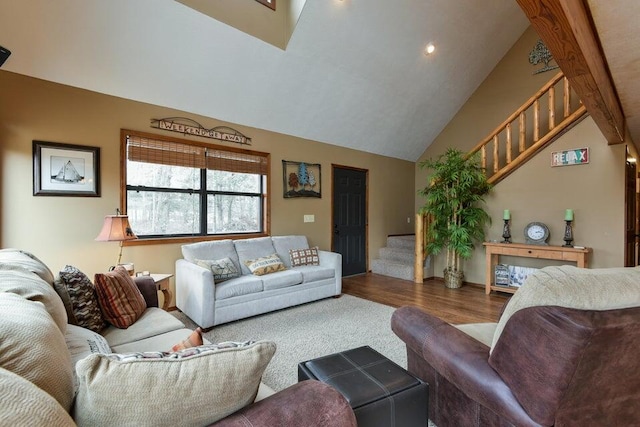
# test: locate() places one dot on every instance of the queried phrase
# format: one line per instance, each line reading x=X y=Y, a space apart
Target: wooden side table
x=561 y=253
x=162 y=284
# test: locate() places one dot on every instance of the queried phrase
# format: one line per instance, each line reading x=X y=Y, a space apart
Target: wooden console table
x=494 y=250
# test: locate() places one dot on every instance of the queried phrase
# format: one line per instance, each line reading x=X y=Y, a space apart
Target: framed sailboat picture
x=65 y=170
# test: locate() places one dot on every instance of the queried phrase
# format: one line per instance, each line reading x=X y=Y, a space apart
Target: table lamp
x=116 y=228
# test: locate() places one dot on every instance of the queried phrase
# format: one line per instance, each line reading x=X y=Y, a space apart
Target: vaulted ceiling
x=597 y=45
x=616 y=24
x=353 y=73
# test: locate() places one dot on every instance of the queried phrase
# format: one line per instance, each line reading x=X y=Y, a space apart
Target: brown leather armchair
x=549 y=365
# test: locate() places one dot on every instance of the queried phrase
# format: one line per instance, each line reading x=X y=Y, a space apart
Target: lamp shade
x=116 y=228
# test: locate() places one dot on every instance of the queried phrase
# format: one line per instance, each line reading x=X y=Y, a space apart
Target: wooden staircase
x=529 y=129
x=397 y=259
x=523 y=134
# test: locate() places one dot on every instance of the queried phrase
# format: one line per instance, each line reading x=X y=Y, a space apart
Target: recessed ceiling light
x=429 y=49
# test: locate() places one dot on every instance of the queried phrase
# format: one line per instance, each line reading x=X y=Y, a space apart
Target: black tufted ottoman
x=381 y=393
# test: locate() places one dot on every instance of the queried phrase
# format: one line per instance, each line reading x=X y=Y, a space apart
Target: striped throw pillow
x=120 y=299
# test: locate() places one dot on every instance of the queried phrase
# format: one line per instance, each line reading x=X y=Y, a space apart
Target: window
x=177 y=188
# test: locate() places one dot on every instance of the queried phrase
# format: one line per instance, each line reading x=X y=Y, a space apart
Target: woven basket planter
x=453 y=279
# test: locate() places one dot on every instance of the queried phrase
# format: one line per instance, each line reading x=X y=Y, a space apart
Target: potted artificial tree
x=457 y=186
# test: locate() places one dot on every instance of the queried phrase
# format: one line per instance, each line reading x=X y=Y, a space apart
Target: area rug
x=312 y=330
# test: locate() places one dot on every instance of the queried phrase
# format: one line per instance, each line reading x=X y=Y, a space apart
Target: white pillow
x=199 y=385
x=82 y=342
x=265 y=265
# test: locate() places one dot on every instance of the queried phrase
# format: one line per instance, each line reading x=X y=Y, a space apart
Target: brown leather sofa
x=546 y=364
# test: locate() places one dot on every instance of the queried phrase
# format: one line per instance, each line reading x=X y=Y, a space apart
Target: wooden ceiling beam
x=566 y=28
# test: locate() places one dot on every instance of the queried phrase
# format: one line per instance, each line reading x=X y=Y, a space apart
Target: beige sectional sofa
x=209 y=302
x=54 y=373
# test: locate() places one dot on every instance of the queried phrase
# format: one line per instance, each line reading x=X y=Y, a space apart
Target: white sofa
x=209 y=303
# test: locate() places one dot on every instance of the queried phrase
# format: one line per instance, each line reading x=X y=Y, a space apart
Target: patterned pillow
x=265 y=265
x=119 y=297
x=222 y=269
x=179 y=354
x=80 y=300
x=193 y=340
x=82 y=342
x=218 y=380
x=304 y=257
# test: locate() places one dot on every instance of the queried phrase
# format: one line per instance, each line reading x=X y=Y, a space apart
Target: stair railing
x=497 y=149
x=517 y=136
x=422 y=226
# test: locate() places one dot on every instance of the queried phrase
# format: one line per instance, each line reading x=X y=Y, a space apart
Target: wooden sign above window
x=268 y=3
x=187 y=126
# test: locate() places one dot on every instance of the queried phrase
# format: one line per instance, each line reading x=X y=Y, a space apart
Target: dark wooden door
x=350 y=218
x=631 y=234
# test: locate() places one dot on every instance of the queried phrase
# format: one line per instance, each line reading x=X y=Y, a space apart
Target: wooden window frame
x=266 y=194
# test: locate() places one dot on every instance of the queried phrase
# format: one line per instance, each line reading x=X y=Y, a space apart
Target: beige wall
x=61 y=230
x=537 y=192
x=506 y=88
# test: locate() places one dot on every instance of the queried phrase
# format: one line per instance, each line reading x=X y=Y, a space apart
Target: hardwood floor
x=468 y=304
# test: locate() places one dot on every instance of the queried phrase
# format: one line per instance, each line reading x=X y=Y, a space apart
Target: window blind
x=171 y=153
x=164 y=152
x=231 y=161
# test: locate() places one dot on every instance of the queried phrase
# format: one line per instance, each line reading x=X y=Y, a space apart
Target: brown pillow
x=120 y=299
x=193 y=340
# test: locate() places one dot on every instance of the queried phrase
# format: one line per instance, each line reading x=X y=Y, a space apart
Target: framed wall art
x=301 y=179
x=65 y=170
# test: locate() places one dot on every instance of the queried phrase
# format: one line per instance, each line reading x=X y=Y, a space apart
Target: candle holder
x=506 y=232
x=568 y=235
